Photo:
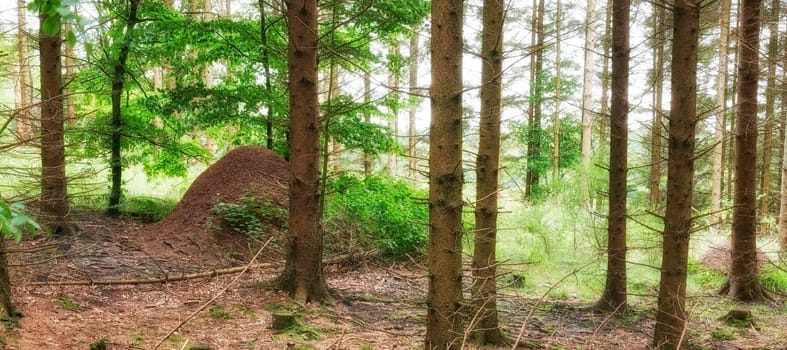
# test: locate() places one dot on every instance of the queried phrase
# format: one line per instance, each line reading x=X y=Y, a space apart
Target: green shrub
x=147 y=208
x=378 y=212
x=250 y=215
x=774 y=279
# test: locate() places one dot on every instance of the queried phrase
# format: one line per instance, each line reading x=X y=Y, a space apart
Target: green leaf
x=71 y=38
x=51 y=25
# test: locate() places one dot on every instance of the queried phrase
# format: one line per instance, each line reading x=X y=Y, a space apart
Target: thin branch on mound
x=232 y=283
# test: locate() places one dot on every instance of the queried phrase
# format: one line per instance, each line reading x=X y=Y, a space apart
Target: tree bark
x=9 y=310
x=671 y=316
x=367 y=99
x=413 y=107
x=743 y=282
x=445 y=321
x=25 y=120
x=770 y=117
x=605 y=79
x=303 y=274
x=534 y=110
x=54 y=193
x=614 y=297
x=783 y=212
x=587 y=82
x=658 y=112
x=558 y=97
x=721 y=111
x=116 y=158
x=484 y=290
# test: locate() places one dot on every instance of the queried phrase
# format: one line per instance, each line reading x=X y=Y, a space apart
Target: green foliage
x=14 y=221
x=347 y=127
x=250 y=216
x=147 y=208
x=724 y=334
x=774 y=279
x=378 y=212
x=68 y=304
x=100 y=344
x=216 y=311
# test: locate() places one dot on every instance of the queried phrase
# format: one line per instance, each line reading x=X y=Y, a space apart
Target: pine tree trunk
x=783 y=212
x=70 y=113
x=116 y=158
x=534 y=110
x=303 y=275
x=605 y=79
x=484 y=290
x=556 y=130
x=614 y=297
x=721 y=106
x=54 y=195
x=9 y=310
x=445 y=321
x=266 y=65
x=393 y=123
x=587 y=82
x=658 y=112
x=367 y=99
x=743 y=283
x=671 y=316
x=25 y=120
x=770 y=117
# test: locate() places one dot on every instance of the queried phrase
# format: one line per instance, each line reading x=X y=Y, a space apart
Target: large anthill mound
x=190 y=232
x=717 y=258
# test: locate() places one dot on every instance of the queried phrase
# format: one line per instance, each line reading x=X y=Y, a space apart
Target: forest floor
x=378 y=306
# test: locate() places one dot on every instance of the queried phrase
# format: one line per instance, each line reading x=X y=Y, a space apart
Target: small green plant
x=137 y=337
x=68 y=304
x=250 y=215
x=100 y=344
x=723 y=334
x=14 y=221
x=774 y=279
x=216 y=311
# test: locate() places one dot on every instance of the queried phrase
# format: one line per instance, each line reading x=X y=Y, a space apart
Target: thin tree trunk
x=367 y=99
x=671 y=316
x=413 y=106
x=393 y=123
x=770 y=117
x=484 y=290
x=743 y=283
x=605 y=79
x=9 y=311
x=534 y=115
x=658 y=112
x=70 y=114
x=25 y=120
x=587 y=82
x=721 y=106
x=116 y=158
x=267 y=68
x=556 y=134
x=303 y=274
x=783 y=212
x=54 y=193
x=444 y=320
x=614 y=297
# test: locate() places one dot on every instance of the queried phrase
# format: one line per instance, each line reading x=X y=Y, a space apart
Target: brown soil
x=189 y=233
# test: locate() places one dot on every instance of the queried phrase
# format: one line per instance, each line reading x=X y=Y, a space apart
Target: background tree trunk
x=444 y=320
x=605 y=79
x=413 y=107
x=25 y=119
x=266 y=65
x=393 y=123
x=783 y=212
x=770 y=116
x=614 y=297
x=367 y=99
x=303 y=275
x=484 y=291
x=54 y=194
x=660 y=26
x=556 y=130
x=721 y=107
x=587 y=82
x=743 y=283
x=671 y=316
x=534 y=111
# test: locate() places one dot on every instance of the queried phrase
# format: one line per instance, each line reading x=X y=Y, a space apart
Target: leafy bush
x=147 y=208
x=383 y=213
x=250 y=215
x=14 y=221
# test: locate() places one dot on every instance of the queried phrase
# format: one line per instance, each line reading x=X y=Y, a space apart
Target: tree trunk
x=605 y=79
x=783 y=212
x=267 y=67
x=658 y=112
x=303 y=275
x=556 y=130
x=743 y=282
x=70 y=113
x=393 y=123
x=534 y=111
x=671 y=316
x=484 y=291
x=444 y=320
x=721 y=107
x=413 y=107
x=614 y=297
x=367 y=99
x=9 y=310
x=116 y=158
x=25 y=120
x=587 y=82
x=770 y=117
x=54 y=194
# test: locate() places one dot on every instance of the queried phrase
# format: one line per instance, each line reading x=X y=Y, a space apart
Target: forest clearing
x=393 y=174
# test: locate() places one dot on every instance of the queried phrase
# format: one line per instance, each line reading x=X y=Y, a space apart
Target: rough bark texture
x=8 y=310
x=671 y=316
x=534 y=110
x=303 y=275
x=484 y=291
x=743 y=282
x=23 y=115
x=54 y=195
x=116 y=159
x=614 y=297
x=721 y=111
x=658 y=112
x=587 y=82
x=770 y=117
x=444 y=320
